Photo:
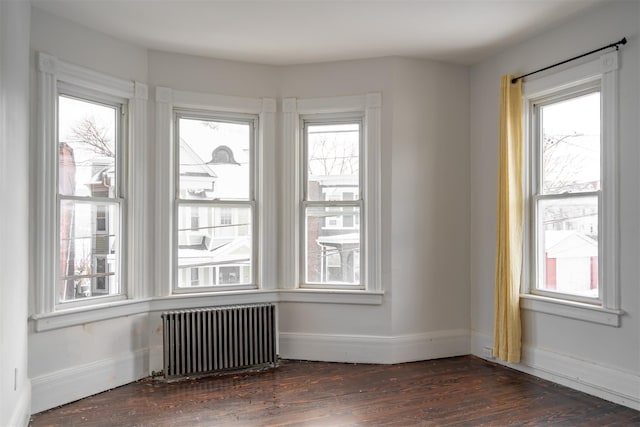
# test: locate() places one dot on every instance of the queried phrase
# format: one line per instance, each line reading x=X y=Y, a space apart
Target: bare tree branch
x=97 y=137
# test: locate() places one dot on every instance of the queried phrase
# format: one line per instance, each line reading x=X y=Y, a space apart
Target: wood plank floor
x=464 y=391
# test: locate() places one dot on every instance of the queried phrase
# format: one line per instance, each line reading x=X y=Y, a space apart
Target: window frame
x=537 y=195
x=370 y=107
x=120 y=198
x=305 y=203
x=264 y=177
x=252 y=121
x=57 y=77
x=602 y=73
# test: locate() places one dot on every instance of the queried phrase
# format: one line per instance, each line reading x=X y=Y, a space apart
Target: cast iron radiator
x=205 y=341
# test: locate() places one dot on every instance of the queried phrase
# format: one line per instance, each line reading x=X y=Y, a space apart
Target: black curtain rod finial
x=616 y=45
x=623 y=41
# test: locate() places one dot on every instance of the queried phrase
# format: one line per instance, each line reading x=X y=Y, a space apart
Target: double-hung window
x=89 y=221
x=332 y=202
x=215 y=215
x=90 y=202
x=567 y=194
x=571 y=267
x=332 y=185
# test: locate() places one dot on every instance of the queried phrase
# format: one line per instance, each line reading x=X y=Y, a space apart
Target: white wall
x=14 y=192
x=424 y=201
x=207 y=75
x=599 y=359
x=69 y=363
x=438 y=179
x=341 y=331
x=430 y=198
x=425 y=309
x=82 y=46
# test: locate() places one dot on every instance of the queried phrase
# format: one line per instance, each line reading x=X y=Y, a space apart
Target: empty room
x=321 y=213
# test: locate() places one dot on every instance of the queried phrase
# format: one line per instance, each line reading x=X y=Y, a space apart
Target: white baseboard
x=22 y=412
x=373 y=349
x=586 y=376
x=68 y=385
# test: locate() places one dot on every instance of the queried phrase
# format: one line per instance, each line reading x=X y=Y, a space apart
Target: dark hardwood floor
x=463 y=391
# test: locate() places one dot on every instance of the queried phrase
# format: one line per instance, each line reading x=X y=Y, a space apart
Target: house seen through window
x=89 y=200
x=215 y=202
x=567 y=193
x=332 y=203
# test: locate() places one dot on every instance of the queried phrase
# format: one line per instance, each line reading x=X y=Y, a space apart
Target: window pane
x=87 y=133
x=89 y=250
x=568 y=246
x=215 y=160
x=332 y=250
x=571 y=145
x=333 y=161
x=219 y=249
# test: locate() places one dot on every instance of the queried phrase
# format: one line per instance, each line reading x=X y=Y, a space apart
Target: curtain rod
x=616 y=45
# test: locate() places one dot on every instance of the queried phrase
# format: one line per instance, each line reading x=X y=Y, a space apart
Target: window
x=89 y=220
x=331 y=198
x=566 y=193
x=90 y=202
x=332 y=169
x=215 y=199
x=101 y=220
x=571 y=238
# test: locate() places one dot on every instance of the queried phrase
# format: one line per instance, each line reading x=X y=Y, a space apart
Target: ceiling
x=278 y=32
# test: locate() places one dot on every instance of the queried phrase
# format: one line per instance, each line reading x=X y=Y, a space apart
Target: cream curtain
x=507 y=328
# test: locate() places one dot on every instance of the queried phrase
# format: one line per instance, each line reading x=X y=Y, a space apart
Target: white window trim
x=370 y=105
x=169 y=100
x=51 y=72
x=608 y=313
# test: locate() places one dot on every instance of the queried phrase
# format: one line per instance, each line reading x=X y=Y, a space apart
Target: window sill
x=94 y=313
x=331 y=296
x=212 y=299
x=571 y=310
x=88 y=314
